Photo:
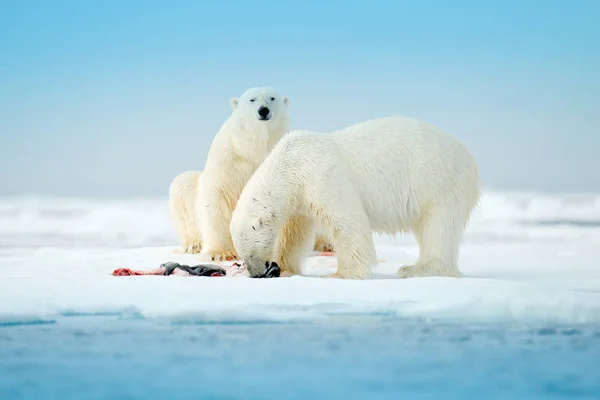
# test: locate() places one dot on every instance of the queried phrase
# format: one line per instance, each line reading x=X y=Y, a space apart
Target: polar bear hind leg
x=182 y=199
x=438 y=233
x=217 y=242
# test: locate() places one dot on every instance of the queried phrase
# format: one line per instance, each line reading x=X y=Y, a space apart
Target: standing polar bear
x=386 y=175
x=201 y=202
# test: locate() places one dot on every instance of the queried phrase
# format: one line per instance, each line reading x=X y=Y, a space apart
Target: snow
x=528 y=258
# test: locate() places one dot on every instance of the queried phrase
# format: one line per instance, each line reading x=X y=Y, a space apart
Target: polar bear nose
x=263 y=111
x=272 y=270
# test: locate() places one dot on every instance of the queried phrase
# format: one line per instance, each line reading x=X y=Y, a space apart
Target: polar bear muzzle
x=271 y=270
x=264 y=114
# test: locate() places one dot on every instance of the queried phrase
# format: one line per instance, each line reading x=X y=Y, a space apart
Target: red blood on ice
x=327 y=254
x=125 y=272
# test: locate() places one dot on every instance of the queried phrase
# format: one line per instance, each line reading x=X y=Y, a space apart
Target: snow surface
x=527 y=258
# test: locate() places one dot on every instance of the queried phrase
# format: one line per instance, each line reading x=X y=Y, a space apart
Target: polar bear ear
x=234 y=102
x=286 y=100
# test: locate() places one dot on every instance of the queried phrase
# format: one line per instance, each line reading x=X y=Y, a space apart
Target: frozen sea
x=524 y=323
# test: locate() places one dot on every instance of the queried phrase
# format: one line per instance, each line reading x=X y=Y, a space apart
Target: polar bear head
x=254 y=229
x=260 y=103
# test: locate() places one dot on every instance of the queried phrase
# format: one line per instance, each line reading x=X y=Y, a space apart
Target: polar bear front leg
x=294 y=243
x=355 y=257
x=353 y=241
x=216 y=238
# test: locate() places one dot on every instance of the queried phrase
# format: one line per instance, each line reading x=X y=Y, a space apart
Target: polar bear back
x=398 y=166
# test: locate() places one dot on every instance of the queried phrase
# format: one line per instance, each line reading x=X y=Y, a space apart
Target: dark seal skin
x=197 y=270
x=272 y=270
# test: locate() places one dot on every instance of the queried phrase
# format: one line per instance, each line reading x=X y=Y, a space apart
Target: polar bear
x=385 y=175
x=201 y=202
x=183 y=193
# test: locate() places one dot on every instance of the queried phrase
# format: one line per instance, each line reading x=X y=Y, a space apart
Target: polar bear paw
x=410 y=271
x=348 y=276
x=323 y=247
x=419 y=271
x=194 y=248
x=220 y=255
x=333 y=276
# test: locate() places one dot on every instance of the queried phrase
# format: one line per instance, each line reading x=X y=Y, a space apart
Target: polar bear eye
x=272 y=98
x=252 y=100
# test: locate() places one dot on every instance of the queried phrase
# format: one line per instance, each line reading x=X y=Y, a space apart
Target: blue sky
x=114 y=98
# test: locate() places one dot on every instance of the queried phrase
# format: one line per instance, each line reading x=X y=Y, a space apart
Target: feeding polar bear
x=201 y=202
x=386 y=175
x=183 y=194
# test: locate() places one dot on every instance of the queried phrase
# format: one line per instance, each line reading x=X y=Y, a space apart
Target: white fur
x=386 y=175
x=201 y=203
x=237 y=150
x=183 y=192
